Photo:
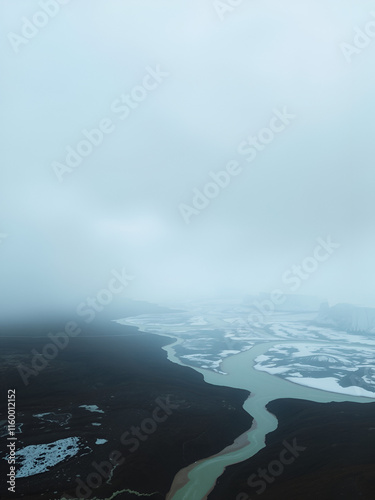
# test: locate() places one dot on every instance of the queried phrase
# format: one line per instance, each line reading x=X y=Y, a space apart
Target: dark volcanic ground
x=338 y=461
x=123 y=372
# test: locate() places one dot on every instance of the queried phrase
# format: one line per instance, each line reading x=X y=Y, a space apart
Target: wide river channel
x=197 y=480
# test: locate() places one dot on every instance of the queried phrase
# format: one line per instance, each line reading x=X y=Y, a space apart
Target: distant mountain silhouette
x=347 y=317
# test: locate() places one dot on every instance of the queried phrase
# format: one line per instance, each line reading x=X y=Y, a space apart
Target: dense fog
x=193 y=148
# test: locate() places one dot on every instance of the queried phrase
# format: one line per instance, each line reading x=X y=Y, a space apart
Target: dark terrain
x=123 y=372
x=338 y=461
x=126 y=373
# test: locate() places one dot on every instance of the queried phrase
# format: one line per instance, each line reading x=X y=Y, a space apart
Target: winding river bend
x=197 y=480
x=201 y=477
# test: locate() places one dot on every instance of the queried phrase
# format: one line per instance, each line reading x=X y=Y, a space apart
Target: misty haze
x=187 y=308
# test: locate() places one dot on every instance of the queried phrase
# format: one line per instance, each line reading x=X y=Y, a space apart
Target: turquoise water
x=264 y=388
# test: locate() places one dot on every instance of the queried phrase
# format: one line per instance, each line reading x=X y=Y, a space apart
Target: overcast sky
x=220 y=75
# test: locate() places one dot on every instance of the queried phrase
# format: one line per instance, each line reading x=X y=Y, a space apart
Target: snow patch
x=39 y=458
x=101 y=441
x=91 y=408
x=331 y=384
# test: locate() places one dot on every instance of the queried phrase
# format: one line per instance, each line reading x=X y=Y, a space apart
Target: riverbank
x=264 y=388
x=107 y=380
x=337 y=460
